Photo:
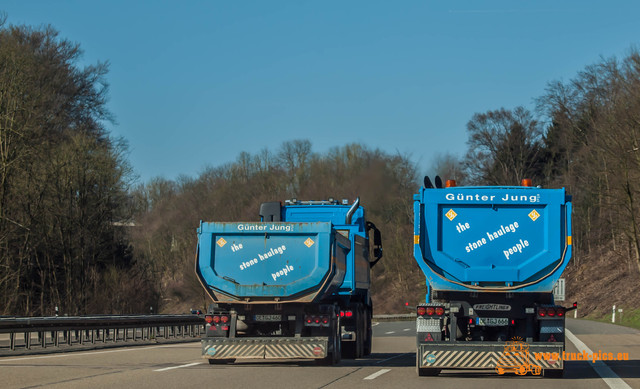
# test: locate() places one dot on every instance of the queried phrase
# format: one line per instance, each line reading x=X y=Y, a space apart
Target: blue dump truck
x=491 y=257
x=294 y=285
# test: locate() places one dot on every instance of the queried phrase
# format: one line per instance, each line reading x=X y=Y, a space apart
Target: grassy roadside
x=628 y=317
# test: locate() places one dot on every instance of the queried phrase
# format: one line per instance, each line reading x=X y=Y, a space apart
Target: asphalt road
x=392 y=364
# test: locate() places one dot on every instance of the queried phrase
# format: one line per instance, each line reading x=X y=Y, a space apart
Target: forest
x=79 y=232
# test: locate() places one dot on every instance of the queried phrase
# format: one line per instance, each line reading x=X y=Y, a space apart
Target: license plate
x=492 y=321
x=267 y=317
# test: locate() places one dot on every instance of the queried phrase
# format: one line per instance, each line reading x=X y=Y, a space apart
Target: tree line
x=79 y=233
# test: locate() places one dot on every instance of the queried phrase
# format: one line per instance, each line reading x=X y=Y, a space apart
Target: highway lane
x=392 y=364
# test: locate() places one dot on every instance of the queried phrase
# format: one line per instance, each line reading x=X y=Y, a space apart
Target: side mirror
x=377 y=244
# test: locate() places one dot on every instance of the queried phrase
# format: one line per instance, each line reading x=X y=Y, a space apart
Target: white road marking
x=179 y=367
x=80 y=353
x=390 y=332
x=608 y=376
x=375 y=323
x=407 y=329
x=377 y=374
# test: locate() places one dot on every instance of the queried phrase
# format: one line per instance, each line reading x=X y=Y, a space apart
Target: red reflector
x=406 y=304
x=439 y=311
x=208 y=319
x=542 y=312
x=430 y=311
x=225 y=328
x=551 y=312
x=224 y=319
x=552 y=338
x=513 y=322
x=470 y=321
x=348 y=313
x=421 y=311
x=216 y=319
x=429 y=338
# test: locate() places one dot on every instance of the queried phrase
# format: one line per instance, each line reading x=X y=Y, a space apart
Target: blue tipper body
x=502 y=238
x=271 y=259
x=298 y=259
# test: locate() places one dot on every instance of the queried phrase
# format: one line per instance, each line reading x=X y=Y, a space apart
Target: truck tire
x=221 y=361
x=369 y=333
x=351 y=349
x=334 y=355
x=553 y=373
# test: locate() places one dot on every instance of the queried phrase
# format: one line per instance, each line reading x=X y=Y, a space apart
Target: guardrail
x=102 y=328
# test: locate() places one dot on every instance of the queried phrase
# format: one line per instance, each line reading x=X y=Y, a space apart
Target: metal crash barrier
x=56 y=331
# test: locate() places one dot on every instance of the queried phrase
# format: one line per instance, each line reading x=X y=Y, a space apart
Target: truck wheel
x=221 y=361
x=425 y=371
x=334 y=355
x=553 y=373
x=355 y=349
x=369 y=331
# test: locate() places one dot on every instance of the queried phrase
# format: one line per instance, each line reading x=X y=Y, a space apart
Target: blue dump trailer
x=491 y=257
x=295 y=285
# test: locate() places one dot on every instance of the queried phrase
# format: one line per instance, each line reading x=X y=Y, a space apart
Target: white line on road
x=377 y=374
x=607 y=375
x=390 y=332
x=407 y=329
x=179 y=367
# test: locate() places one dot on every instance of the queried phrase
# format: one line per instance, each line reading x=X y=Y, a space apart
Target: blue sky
x=192 y=84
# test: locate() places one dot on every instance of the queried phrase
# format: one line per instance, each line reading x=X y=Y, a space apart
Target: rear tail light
x=542 y=312
x=224 y=319
x=422 y=311
x=346 y=314
x=551 y=312
x=560 y=312
x=316 y=319
x=216 y=319
x=439 y=311
x=208 y=319
x=430 y=311
x=308 y=319
x=325 y=319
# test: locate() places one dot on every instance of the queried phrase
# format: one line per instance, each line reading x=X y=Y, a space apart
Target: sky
x=193 y=84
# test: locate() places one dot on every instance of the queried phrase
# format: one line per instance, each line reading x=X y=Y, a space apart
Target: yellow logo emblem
x=451 y=215
x=221 y=242
x=534 y=215
x=309 y=242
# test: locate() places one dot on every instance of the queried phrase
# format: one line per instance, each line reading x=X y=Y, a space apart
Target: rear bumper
x=265 y=348
x=488 y=355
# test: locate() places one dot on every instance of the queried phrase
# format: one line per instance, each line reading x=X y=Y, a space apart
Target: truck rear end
x=279 y=286
x=491 y=257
